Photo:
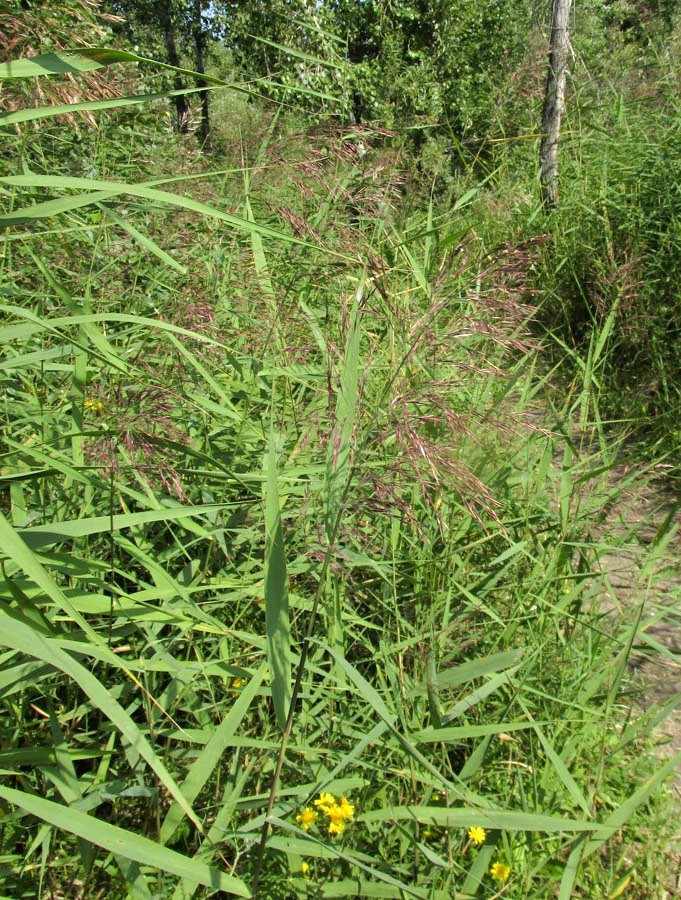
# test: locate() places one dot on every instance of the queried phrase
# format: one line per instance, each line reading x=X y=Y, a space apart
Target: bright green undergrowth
x=275 y=440
x=609 y=262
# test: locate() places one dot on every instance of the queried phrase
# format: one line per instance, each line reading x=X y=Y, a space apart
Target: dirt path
x=641 y=531
x=641 y=564
x=643 y=571
x=647 y=568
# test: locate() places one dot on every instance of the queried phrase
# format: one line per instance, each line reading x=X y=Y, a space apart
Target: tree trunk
x=181 y=106
x=199 y=46
x=554 y=101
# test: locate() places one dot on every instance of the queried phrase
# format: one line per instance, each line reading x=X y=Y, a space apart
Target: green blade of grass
x=87 y=59
x=476 y=696
x=119 y=841
x=567 y=882
x=478 y=668
x=67 y=783
x=624 y=812
x=340 y=442
x=54 y=324
x=186 y=889
x=338 y=465
x=98 y=190
x=478 y=869
x=299 y=54
x=43 y=112
x=276 y=593
x=59 y=532
x=378 y=706
x=47 y=64
x=453 y=817
x=145 y=242
x=135 y=881
x=361 y=887
x=32 y=643
x=205 y=764
x=464 y=732
x=17 y=550
x=561 y=769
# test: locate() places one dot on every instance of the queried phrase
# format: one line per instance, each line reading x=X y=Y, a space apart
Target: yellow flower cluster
x=94 y=405
x=337 y=812
x=237 y=684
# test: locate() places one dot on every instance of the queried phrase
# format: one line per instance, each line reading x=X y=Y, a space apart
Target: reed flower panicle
x=139 y=434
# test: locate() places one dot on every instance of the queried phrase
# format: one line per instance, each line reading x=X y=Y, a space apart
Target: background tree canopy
x=402 y=64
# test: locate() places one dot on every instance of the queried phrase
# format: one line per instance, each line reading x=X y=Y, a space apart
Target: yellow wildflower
x=477 y=835
x=336 y=826
x=325 y=802
x=306 y=870
x=500 y=871
x=338 y=813
x=347 y=809
x=336 y=819
x=307 y=817
x=237 y=684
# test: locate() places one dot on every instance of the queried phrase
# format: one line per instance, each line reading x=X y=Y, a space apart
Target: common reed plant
x=294 y=600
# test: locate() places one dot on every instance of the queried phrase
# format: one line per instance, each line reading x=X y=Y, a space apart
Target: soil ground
x=645 y=571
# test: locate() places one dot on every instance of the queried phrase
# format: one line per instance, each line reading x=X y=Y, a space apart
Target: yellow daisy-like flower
x=347 y=809
x=307 y=817
x=306 y=870
x=336 y=826
x=336 y=819
x=325 y=802
x=500 y=871
x=338 y=813
x=477 y=835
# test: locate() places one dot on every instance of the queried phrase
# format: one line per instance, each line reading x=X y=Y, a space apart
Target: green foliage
x=637 y=20
x=411 y=65
x=607 y=267
x=260 y=425
x=615 y=248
